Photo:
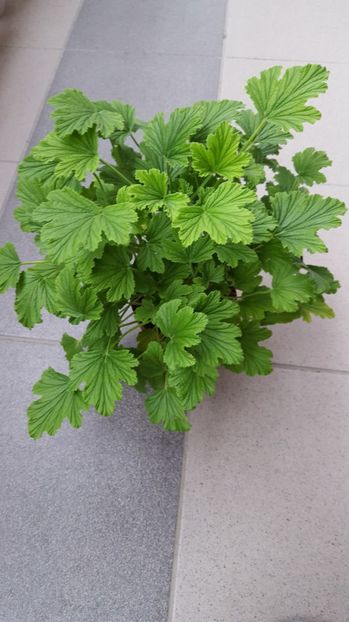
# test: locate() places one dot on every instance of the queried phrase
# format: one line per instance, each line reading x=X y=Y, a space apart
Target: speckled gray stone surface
x=88 y=518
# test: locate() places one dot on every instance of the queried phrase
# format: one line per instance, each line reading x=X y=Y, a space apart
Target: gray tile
x=88 y=517
x=159 y=26
x=151 y=83
x=265 y=502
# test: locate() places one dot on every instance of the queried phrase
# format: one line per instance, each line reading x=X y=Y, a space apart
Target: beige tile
x=7 y=176
x=263 y=530
x=25 y=76
x=331 y=133
x=37 y=23
x=298 y=30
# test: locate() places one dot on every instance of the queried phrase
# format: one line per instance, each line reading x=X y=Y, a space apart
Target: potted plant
x=170 y=238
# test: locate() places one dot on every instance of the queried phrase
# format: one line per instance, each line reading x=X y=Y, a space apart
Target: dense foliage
x=169 y=238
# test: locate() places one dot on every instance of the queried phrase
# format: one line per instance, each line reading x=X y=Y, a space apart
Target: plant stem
x=129 y=331
x=202 y=185
x=254 y=135
x=129 y=324
x=100 y=185
x=252 y=294
x=117 y=172
x=27 y=263
x=135 y=141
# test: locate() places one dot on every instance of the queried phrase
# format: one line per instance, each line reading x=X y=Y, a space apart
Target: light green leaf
x=31 y=193
x=167 y=144
x=101 y=371
x=299 y=216
x=36 y=290
x=43 y=171
x=182 y=327
x=221 y=155
x=74 y=222
x=58 y=401
x=282 y=100
x=164 y=407
x=222 y=215
x=308 y=164
x=9 y=267
x=113 y=273
x=255 y=305
x=213 y=113
x=74 y=301
x=74 y=154
x=192 y=386
x=151 y=193
x=268 y=139
x=74 y=112
x=128 y=116
x=257 y=359
x=289 y=288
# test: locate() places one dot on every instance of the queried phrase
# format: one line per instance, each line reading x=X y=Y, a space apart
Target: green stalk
x=117 y=172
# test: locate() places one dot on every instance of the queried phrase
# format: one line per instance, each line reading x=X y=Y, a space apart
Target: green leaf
x=74 y=112
x=151 y=365
x=151 y=193
x=289 y=288
x=255 y=305
x=101 y=371
x=257 y=359
x=199 y=251
x=192 y=386
x=58 y=401
x=317 y=307
x=40 y=170
x=308 y=164
x=323 y=279
x=182 y=327
x=113 y=273
x=71 y=346
x=299 y=216
x=9 y=267
x=219 y=338
x=74 y=222
x=233 y=253
x=74 y=301
x=31 y=193
x=247 y=276
x=128 y=116
x=268 y=139
x=74 y=154
x=36 y=290
x=167 y=144
x=151 y=253
x=222 y=215
x=282 y=100
x=213 y=113
x=221 y=156
x=164 y=407
x=263 y=224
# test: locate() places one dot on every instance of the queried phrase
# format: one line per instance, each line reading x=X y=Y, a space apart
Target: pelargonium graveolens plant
x=170 y=238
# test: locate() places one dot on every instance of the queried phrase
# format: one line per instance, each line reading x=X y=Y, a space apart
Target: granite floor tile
x=25 y=76
x=330 y=134
x=24 y=23
x=7 y=175
x=87 y=518
x=265 y=501
x=155 y=26
x=315 y=30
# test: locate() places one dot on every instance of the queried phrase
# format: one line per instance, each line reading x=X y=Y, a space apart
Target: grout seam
x=311 y=369
x=36 y=340
x=287 y=60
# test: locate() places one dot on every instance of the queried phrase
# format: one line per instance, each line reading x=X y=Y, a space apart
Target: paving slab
x=154 y=26
x=265 y=498
x=88 y=517
x=315 y=30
